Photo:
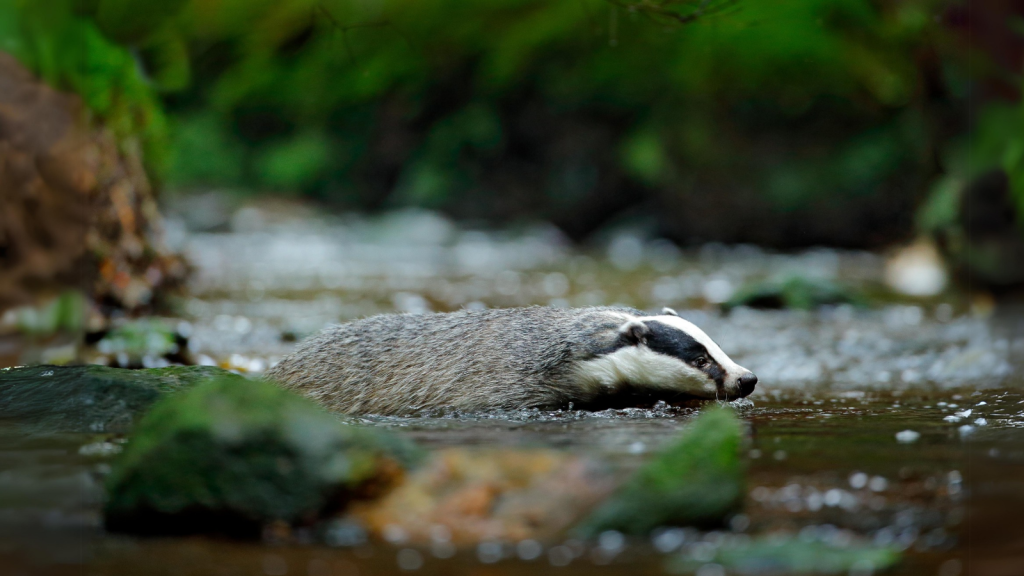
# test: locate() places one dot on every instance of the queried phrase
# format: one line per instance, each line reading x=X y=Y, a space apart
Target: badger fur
x=512 y=358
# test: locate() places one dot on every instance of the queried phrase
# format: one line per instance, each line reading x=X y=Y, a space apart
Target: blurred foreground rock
x=698 y=480
x=76 y=208
x=464 y=497
x=91 y=398
x=233 y=456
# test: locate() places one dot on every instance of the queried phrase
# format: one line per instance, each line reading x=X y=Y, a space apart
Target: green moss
x=698 y=480
x=230 y=456
x=90 y=398
x=140 y=338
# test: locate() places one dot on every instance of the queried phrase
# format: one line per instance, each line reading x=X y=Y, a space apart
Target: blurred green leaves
x=431 y=102
x=315 y=65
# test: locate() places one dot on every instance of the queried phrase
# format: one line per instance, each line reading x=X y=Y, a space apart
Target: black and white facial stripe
x=668 y=353
x=672 y=341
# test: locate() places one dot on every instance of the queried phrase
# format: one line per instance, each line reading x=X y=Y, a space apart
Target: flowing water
x=900 y=424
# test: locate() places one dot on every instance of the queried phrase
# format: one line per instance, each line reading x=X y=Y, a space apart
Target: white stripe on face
x=732 y=369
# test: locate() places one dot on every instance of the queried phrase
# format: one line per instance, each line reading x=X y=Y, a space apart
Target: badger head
x=668 y=355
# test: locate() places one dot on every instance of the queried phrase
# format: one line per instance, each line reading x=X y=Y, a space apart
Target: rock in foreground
x=232 y=456
x=91 y=398
x=474 y=495
x=697 y=480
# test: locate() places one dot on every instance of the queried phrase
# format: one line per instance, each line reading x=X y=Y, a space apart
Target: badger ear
x=669 y=312
x=635 y=332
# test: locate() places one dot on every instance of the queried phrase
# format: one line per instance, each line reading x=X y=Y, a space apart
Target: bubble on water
x=102 y=449
x=858 y=480
x=833 y=497
x=668 y=539
x=966 y=430
x=637 y=448
x=907 y=436
x=611 y=540
x=878 y=484
x=980 y=422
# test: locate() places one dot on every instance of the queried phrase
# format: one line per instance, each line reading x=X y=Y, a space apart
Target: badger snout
x=746 y=384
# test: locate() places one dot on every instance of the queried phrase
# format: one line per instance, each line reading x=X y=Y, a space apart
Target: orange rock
x=478 y=495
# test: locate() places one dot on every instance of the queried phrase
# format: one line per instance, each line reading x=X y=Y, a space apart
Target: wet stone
x=90 y=398
x=697 y=480
x=233 y=456
x=794 y=292
x=471 y=497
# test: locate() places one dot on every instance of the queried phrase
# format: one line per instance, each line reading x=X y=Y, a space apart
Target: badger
x=512 y=358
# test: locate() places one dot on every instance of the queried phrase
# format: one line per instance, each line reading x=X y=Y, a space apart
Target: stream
x=900 y=423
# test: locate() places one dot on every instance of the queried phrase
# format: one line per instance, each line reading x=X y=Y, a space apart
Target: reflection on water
x=900 y=424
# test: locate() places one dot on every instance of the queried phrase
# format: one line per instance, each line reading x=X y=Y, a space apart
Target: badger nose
x=747 y=383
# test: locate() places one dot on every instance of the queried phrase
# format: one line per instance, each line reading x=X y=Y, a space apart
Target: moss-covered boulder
x=698 y=480
x=90 y=398
x=794 y=292
x=231 y=456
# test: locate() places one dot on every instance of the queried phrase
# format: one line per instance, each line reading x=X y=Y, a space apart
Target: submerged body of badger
x=509 y=359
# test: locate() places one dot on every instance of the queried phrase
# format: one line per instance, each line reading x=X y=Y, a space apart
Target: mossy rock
x=230 y=457
x=90 y=398
x=697 y=481
x=794 y=292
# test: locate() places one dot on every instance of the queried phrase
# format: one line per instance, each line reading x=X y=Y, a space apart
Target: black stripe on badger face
x=665 y=339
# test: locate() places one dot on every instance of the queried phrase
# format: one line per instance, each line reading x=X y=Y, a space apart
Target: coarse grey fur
x=469 y=360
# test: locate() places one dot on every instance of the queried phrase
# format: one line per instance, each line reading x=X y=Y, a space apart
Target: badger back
x=472 y=360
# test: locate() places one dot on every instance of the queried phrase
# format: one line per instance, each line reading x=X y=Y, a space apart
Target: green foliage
x=697 y=480
x=59 y=41
x=295 y=164
x=459 y=72
x=203 y=151
x=65 y=313
x=140 y=338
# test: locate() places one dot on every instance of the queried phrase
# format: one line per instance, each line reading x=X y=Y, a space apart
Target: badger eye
x=700 y=362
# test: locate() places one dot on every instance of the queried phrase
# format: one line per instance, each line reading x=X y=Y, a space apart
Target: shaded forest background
x=851 y=123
